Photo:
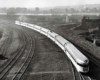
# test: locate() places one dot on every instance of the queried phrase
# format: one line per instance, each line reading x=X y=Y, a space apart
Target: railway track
x=82 y=77
x=78 y=75
x=29 y=44
x=73 y=71
x=28 y=59
x=11 y=62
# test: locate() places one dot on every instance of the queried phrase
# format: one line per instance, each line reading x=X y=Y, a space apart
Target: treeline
x=38 y=10
x=16 y=10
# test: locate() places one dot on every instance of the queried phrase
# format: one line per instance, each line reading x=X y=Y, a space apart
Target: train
x=80 y=61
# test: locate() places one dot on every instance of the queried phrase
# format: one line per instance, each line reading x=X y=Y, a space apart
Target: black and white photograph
x=49 y=39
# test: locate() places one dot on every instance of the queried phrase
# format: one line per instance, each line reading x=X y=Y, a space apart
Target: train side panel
x=30 y=26
x=61 y=42
x=52 y=35
x=44 y=31
x=37 y=28
x=17 y=22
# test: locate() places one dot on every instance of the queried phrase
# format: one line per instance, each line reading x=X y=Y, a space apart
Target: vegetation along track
x=6 y=43
x=9 y=64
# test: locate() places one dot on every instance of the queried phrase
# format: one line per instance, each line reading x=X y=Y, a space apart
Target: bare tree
x=37 y=10
x=10 y=11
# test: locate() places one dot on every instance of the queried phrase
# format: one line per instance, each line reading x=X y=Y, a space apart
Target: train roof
x=53 y=33
x=62 y=40
x=36 y=26
x=76 y=54
x=44 y=29
x=17 y=22
x=31 y=24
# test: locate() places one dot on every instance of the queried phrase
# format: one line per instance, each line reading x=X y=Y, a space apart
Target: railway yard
x=28 y=55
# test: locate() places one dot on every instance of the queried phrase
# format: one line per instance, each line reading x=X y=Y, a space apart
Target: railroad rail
x=79 y=76
x=28 y=59
x=11 y=63
x=26 y=49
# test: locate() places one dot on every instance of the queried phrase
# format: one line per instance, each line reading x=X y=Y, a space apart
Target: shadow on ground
x=2 y=57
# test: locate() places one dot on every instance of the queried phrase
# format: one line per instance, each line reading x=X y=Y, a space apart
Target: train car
x=17 y=22
x=24 y=24
x=30 y=26
x=52 y=35
x=37 y=28
x=34 y=27
x=78 y=59
x=61 y=42
x=44 y=31
x=21 y=23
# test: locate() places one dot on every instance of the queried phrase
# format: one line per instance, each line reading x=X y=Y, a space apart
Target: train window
x=83 y=65
x=66 y=44
x=56 y=36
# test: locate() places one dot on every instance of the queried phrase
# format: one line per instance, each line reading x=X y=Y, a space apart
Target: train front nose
x=86 y=61
x=86 y=69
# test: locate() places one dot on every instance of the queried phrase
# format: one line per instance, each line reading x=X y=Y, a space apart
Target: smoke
x=23 y=18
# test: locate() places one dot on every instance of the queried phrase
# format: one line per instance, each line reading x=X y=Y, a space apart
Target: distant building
x=67 y=19
x=91 y=23
x=75 y=18
x=72 y=19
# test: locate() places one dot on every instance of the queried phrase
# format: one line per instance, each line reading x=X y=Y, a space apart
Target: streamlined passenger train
x=80 y=61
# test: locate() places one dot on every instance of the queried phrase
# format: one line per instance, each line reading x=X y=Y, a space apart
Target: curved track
x=24 y=66
x=11 y=63
x=20 y=52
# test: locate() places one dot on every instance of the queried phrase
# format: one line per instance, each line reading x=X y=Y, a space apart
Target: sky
x=44 y=3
